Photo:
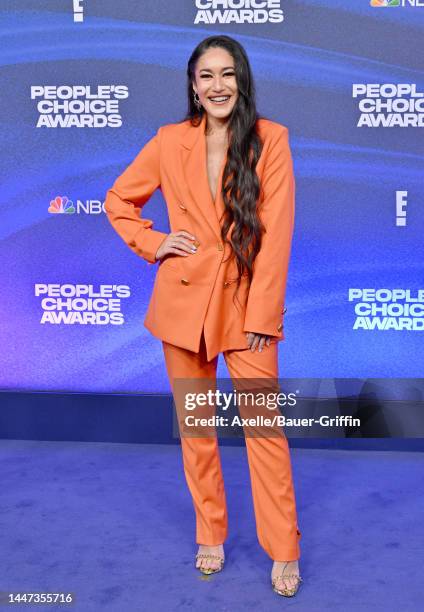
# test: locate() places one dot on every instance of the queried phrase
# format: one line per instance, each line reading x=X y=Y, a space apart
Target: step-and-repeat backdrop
x=85 y=84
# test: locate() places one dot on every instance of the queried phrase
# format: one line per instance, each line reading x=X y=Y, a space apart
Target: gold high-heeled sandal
x=286 y=592
x=210 y=570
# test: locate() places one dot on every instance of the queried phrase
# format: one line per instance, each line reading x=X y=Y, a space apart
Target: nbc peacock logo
x=61 y=205
x=385 y=2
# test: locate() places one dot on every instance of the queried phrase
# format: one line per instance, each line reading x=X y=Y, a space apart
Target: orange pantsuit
x=192 y=311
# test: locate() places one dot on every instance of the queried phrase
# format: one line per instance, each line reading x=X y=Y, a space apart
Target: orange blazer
x=195 y=292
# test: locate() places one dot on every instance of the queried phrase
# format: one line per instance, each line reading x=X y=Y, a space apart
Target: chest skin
x=216 y=148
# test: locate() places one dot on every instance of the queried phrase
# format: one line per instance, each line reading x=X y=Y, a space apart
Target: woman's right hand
x=177 y=243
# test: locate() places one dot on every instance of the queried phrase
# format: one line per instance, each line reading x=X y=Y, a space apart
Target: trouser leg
x=201 y=458
x=269 y=463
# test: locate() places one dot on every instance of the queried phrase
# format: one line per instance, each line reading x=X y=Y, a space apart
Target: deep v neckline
x=220 y=173
x=219 y=180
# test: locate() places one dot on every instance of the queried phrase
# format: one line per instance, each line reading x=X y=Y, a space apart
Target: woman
x=227 y=179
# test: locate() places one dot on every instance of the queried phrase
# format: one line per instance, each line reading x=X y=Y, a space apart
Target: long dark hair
x=240 y=183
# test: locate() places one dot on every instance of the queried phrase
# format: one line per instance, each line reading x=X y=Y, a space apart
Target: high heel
x=286 y=592
x=210 y=570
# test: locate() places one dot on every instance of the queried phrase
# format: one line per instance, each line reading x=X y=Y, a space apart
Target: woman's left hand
x=257 y=340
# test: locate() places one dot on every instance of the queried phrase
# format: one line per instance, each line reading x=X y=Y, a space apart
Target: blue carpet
x=114 y=524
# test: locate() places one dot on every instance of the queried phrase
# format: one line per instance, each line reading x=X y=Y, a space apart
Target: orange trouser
x=268 y=459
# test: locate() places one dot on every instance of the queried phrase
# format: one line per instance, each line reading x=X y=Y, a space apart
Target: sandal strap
x=282 y=575
x=299 y=578
x=208 y=556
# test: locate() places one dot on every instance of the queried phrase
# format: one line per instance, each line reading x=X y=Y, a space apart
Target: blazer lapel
x=193 y=150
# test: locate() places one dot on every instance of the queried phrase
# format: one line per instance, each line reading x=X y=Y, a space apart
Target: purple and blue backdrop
x=84 y=85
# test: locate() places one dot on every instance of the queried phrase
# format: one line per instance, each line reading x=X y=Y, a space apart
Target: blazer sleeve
x=126 y=198
x=264 y=309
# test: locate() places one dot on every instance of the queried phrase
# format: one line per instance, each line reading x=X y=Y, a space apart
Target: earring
x=197 y=101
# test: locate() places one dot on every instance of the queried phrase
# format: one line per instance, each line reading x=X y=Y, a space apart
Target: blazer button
x=183 y=207
x=184 y=281
x=280 y=326
x=226 y=283
x=220 y=247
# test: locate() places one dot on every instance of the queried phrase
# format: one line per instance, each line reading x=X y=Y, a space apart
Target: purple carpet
x=114 y=525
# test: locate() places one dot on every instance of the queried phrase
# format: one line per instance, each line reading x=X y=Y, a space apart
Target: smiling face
x=215 y=82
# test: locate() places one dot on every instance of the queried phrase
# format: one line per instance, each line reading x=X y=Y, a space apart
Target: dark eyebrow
x=226 y=68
